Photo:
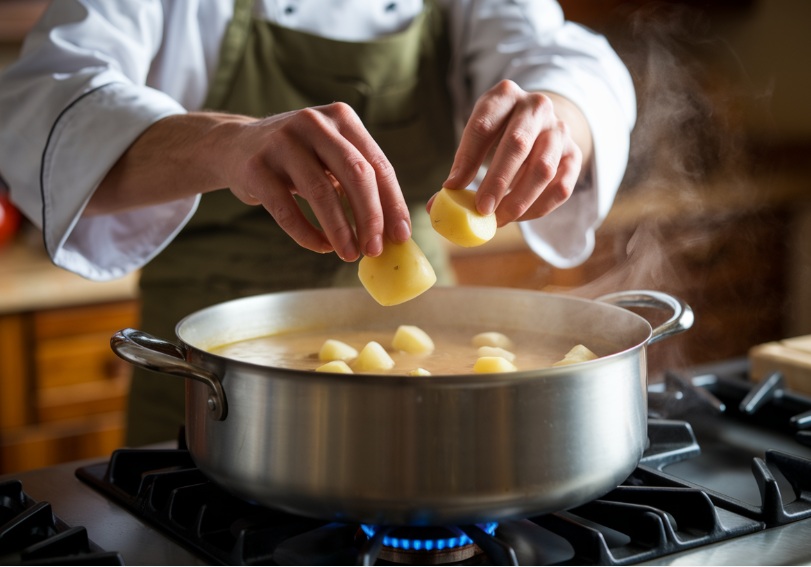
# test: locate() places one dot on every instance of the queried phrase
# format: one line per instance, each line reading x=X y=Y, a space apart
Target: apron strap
x=231 y=51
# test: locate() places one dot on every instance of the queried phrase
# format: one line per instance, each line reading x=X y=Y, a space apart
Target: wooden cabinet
x=62 y=390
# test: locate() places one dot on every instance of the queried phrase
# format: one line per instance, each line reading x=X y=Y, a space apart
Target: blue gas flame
x=428 y=544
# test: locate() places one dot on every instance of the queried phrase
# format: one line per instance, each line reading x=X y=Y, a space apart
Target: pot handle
x=152 y=353
x=681 y=320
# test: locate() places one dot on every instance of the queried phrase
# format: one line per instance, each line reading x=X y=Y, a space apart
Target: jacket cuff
x=565 y=237
x=86 y=140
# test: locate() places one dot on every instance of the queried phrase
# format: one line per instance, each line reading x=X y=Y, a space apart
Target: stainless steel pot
x=415 y=450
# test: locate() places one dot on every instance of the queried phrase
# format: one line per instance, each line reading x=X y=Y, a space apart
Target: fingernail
x=451 y=177
x=375 y=246
x=350 y=252
x=487 y=205
x=401 y=231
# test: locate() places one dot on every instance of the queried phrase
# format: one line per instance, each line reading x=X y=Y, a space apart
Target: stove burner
x=430 y=545
x=428 y=538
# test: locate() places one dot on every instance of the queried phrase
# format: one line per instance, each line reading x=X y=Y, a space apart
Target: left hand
x=536 y=162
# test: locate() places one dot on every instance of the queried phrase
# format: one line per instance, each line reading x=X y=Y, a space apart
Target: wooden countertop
x=30 y=282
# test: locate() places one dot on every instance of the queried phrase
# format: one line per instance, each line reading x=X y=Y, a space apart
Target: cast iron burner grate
x=767 y=405
x=645 y=518
x=30 y=534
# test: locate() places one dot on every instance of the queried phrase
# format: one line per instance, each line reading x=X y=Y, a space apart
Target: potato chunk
x=419 y=372
x=492 y=339
x=336 y=350
x=400 y=273
x=373 y=357
x=454 y=216
x=577 y=354
x=336 y=366
x=488 y=364
x=496 y=351
x=412 y=340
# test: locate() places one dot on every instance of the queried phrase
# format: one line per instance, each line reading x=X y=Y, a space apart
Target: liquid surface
x=454 y=353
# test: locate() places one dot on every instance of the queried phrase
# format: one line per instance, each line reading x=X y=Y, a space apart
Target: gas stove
x=726 y=480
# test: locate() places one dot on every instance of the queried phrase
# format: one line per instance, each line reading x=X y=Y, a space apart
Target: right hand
x=303 y=152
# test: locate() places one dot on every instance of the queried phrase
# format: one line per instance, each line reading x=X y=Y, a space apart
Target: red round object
x=9 y=219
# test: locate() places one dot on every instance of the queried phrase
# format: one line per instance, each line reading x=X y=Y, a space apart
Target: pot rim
x=435 y=380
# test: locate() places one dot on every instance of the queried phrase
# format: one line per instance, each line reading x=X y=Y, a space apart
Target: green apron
x=397 y=86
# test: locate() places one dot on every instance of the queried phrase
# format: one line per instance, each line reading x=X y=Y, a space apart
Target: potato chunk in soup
x=495 y=351
x=452 y=355
x=336 y=350
x=419 y=372
x=336 y=366
x=412 y=340
x=493 y=339
x=372 y=358
x=488 y=364
x=577 y=354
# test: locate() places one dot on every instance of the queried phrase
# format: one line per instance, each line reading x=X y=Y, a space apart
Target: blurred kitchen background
x=715 y=208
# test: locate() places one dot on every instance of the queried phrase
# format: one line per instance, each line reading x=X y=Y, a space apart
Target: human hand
x=305 y=152
x=536 y=161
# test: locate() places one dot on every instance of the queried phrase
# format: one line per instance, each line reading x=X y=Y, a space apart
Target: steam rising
x=687 y=143
x=685 y=131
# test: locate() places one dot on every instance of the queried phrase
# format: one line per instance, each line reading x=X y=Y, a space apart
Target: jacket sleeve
x=530 y=43
x=69 y=108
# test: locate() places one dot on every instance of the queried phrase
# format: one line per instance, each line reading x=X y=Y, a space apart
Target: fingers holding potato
x=400 y=273
x=454 y=216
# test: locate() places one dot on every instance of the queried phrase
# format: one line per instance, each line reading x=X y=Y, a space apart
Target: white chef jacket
x=94 y=74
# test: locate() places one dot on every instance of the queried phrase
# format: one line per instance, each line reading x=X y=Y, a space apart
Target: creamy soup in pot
x=453 y=353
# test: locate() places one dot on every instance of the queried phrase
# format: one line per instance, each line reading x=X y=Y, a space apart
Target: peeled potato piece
x=454 y=216
x=336 y=350
x=577 y=354
x=492 y=339
x=488 y=364
x=496 y=351
x=419 y=372
x=400 y=273
x=373 y=357
x=337 y=366
x=412 y=340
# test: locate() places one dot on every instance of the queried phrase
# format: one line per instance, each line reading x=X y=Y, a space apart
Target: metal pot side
x=392 y=454
x=419 y=450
